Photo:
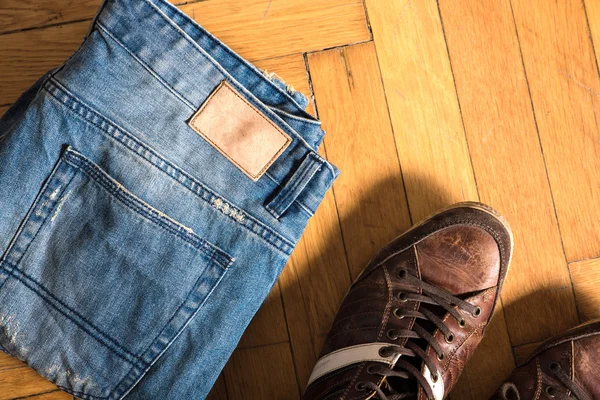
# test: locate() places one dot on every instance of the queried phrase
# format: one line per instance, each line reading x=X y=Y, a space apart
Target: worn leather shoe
x=415 y=315
x=564 y=367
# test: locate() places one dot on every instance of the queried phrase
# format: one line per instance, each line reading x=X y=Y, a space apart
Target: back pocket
x=121 y=279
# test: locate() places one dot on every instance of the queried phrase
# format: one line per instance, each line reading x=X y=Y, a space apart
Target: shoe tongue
x=443 y=280
x=396 y=385
x=401 y=385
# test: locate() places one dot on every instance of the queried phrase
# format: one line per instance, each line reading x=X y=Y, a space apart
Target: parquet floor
x=426 y=103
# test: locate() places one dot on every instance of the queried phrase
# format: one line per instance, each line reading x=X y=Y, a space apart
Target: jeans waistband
x=184 y=55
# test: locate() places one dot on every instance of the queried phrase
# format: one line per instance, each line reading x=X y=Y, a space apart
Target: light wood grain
x=54 y=395
x=246 y=365
x=260 y=29
x=313 y=284
x=22 y=381
x=8 y=362
x=18 y=14
x=430 y=139
x=508 y=163
x=565 y=90
x=523 y=351
x=242 y=23
x=422 y=101
x=369 y=195
x=219 y=390
x=268 y=325
x=292 y=69
x=586 y=281
x=24 y=56
x=592 y=11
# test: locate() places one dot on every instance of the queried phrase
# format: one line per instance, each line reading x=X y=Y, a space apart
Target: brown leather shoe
x=415 y=315
x=564 y=367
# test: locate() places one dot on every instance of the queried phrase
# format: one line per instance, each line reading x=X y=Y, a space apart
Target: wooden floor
x=425 y=103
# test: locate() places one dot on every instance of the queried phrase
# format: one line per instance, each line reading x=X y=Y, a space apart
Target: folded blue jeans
x=153 y=187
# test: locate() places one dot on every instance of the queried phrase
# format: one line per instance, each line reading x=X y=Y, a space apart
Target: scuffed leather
x=465 y=250
x=460 y=260
x=577 y=351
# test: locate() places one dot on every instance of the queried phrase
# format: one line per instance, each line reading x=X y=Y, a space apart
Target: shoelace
x=576 y=392
x=403 y=369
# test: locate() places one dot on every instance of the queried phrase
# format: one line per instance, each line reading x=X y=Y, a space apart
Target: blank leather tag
x=237 y=129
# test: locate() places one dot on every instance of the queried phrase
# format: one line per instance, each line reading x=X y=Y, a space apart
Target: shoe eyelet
x=550 y=391
x=370 y=370
x=397 y=313
x=554 y=366
x=434 y=378
x=440 y=357
x=477 y=312
x=360 y=387
x=401 y=274
x=392 y=334
x=449 y=338
x=462 y=323
x=401 y=296
x=385 y=352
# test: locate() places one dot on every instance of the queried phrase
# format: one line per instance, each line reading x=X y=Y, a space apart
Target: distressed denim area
x=133 y=252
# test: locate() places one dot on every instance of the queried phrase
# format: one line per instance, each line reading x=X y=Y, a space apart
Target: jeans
x=154 y=186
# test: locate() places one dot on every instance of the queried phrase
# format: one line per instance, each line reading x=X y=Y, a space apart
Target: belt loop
x=295 y=185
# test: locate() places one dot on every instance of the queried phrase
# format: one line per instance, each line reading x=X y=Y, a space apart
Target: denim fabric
x=134 y=253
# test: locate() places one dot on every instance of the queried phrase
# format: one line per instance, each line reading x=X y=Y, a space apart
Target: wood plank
x=509 y=164
x=369 y=195
x=565 y=89
x=592 y=9
x=18 y=14
x=54 y=395
x=422 y=101
x=431 y=144
x=268 y=325
x=3 y=110
x=273 y=364
x=21 y=382
x=313 y=284
x=25 y=56
x=586 y=281
x=523 y=351
x=249 y=23
x=219 y=390
x=292 y=69
x=8 y=362
x=244 y=26
x=260 y=29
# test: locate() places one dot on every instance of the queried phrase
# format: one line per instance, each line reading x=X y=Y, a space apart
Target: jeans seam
x=15 y=272
x=39 y=198
x=145 y=210
x=147 y=67
x=114 y=131
x=81 y=395
x=298 y=202
x=291 y=191
x=117 y=391
x=225 y=48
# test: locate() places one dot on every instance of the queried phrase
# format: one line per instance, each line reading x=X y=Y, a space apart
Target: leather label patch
x=240 y=131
